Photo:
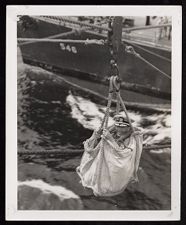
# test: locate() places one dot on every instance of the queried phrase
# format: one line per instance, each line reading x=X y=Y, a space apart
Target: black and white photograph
x=94 y=113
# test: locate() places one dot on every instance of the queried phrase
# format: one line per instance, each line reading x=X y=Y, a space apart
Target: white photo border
x=12 y=213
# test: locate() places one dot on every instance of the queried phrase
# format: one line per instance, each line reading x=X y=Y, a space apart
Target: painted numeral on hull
x=69 y=48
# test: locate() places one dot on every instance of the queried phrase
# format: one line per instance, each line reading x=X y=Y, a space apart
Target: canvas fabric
x=105 y=167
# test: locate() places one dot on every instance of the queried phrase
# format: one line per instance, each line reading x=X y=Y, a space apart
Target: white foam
x=160 y=151
x=90 y=116
x=60 y=191
x=86 y=112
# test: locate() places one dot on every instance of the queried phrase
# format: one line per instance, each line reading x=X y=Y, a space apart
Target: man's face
x=120 y=125
x=123 y=130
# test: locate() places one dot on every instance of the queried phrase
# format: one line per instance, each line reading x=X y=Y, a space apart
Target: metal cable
x=104 y=123
x=154 y=67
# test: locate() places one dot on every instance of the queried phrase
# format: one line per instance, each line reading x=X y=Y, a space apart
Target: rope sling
x=106 y=167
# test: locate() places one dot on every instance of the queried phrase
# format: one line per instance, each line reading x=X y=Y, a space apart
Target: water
x=50 y=117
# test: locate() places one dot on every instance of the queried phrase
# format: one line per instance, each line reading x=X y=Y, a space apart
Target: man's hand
x=136 y=132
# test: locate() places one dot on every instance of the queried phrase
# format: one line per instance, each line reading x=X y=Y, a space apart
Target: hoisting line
x=116 y=84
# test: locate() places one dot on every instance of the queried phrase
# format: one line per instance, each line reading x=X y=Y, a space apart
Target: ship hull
x=93 y=60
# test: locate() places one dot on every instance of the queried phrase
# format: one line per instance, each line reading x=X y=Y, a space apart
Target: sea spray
x=156 y=127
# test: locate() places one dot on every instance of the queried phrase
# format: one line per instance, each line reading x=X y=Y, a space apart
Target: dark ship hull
x=90 y=63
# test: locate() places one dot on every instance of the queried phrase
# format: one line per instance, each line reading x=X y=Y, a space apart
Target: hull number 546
x=69 y=48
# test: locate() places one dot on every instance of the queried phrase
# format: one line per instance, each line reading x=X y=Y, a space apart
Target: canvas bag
x=105 y=167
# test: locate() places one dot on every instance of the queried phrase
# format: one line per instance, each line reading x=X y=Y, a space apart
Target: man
x=121 y=131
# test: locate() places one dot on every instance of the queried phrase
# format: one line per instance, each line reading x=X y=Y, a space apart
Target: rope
x=150 y=52
x=79 y=152
x=117 y=87
x=154 y=67
x=86 y=42
x=67 y=20
x=106 y=116
x=125 y=110
x=146 y=27
x=113 y=87
x=130 y=50
x=109 y=103
x=117 y=104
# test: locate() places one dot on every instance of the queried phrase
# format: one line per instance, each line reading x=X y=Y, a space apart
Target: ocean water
x=52 y=117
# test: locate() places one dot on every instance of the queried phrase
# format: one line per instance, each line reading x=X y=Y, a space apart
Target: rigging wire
x=130 y=50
